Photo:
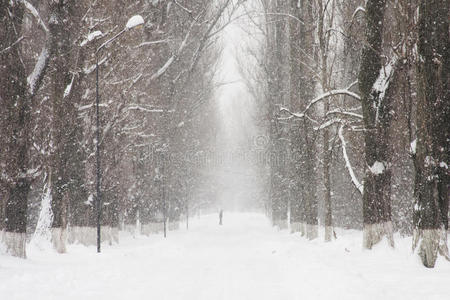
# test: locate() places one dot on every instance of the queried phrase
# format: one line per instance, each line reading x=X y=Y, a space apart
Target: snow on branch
x=152 y=43
x=91 y=36
x=164 y=68
x=292 y=114
x=35 y=13
x=170 y=61
x=35 y=78
x=328 y=123
x=359 y=186
x=330 y=94
x=183 y=8
x=207 y=35
x=38 y=72
x=345 y=113
x=88 y=70
x=357 y=10
x=138 y=107
x=285 y=15
x=321 y=97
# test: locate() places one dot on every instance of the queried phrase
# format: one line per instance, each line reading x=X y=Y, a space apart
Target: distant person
x=220 y=216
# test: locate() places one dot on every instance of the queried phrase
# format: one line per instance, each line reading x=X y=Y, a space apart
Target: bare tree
x=432 y=146
x=17 y=96
x=374 y=84
x=302 y=87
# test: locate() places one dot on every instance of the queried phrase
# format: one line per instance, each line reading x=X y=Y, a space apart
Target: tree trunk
x=81 y=216
x=374 y=79
x=327 y=155
x=327 y=150
x=15 y=117
x=304 y=206
x=68 y=189
x=3 y=197
x=110 y=221
x=63 y=114
x=279 y=198
x=297 y=203
x=433 y=133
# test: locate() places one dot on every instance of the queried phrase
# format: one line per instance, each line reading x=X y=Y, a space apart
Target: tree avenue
x=112 y=118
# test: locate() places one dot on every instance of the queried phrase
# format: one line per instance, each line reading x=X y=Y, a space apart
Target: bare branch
x=359 y=186
x=35 y=13
x=357 y=10
x=37 y=75
x=189 y=12
x=12 y=45
x=328 y=94
x=345 y=113
x=140 y=108
x=152 y=43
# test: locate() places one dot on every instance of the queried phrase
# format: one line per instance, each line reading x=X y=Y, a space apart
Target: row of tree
x=355 y=95
x=155 y=83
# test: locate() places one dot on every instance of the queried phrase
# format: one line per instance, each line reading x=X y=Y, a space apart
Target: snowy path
x=244 y=259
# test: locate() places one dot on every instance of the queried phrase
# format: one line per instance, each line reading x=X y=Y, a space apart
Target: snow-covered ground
x=243 y=259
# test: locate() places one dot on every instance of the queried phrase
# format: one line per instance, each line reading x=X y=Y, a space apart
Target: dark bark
x=376 y=105
x=81 y=211
x=110 y=208
x=15 y=115
x=433 y=129
x=15 y=118
x=62 y=113
x=3 y=197
x=65 y=133
x=67 y=157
